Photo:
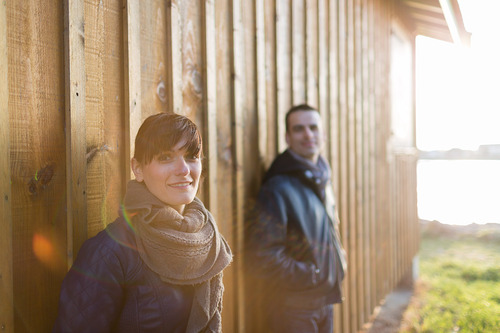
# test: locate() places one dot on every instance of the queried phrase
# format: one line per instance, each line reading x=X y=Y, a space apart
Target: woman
x=157 y=267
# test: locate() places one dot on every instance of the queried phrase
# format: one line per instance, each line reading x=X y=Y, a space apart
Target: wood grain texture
x=105 y=105
x=6 y=282
x=224 y=153
x=38 y=164
x=76 y=163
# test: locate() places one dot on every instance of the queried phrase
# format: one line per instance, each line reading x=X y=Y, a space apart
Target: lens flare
x=44 y=250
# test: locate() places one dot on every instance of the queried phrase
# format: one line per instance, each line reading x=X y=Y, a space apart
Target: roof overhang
x=440 y=19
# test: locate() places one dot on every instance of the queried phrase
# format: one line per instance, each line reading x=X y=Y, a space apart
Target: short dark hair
x=161 y=132
x=300 y=107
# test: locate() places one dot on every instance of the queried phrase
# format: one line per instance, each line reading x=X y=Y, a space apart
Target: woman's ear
x=136 y=169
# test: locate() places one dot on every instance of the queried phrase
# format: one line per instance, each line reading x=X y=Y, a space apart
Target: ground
x=388 y=317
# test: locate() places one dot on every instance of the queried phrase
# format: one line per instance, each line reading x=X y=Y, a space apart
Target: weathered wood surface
x=79 y=77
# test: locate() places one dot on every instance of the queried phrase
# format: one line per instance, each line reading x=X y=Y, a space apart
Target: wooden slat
x=238 y=89
x=154 y=58
x=132 y=71
x=261 y=85
x=192 y=61
x=343 y=199
x=174 y=59
x=271 y=81
x=107 y=145
x=312 y=52
x=76 y=164
x=38 y=160
x=351 y=172
x=360 y=163
x=224 y=153
x=6 y=283
x=283 y=69
x=299 y=51
x=323 y=92
x=210 y=104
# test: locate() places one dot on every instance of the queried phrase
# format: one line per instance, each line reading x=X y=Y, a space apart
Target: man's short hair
x=300 y=107
x=161 y=132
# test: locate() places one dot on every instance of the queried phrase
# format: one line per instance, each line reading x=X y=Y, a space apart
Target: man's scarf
x=183 y=250
x=315 y=176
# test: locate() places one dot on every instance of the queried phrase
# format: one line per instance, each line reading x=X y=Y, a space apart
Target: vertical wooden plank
x=299 y=51
x=6 y=283
x=132 y=77
x=154 y=58
x=209 y=104
x=334 y=82
x=261 y=85
x=36 y=106
x=174 y=59
x=373 y=168
x=238 y=100
x=108 y=139
x=224 y=152
x=367 y=161
x=343 y=198
x=76 y=164
x=311 y=52
x=283 y=68
x=271 y=80
x=192 y=62
x=359 y=167
x=323 y=90
x=351 y=155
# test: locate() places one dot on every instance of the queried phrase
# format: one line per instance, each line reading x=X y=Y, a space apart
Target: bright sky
x=457 y=87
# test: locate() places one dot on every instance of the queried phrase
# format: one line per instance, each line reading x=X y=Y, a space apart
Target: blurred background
x=458 y=121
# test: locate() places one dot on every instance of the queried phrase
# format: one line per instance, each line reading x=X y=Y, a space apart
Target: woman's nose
x=181 y=167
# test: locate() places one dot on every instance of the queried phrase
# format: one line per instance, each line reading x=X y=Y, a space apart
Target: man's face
x=305 y=134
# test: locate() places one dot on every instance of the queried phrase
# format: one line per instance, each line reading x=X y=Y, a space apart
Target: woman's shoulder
x=113 y=243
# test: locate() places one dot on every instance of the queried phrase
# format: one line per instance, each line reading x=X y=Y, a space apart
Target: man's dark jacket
x=294 y=244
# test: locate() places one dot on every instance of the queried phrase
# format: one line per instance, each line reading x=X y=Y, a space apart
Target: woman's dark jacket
x=294 y=245
x=110 y=289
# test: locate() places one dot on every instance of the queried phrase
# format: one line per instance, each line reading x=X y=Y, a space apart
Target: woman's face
x=172 y=176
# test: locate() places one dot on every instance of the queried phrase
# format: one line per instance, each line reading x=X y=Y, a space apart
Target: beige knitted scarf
x=183 y=250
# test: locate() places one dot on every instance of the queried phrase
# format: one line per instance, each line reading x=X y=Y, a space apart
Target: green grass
x=459 y=286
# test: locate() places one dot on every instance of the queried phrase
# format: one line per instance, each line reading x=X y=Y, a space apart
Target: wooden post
x=76 y=163
x=6 y=283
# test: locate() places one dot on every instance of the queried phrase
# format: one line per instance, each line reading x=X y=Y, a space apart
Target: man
x=294 y=240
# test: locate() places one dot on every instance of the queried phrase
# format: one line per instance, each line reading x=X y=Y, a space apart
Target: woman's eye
x=164 y=158
x=193 y=157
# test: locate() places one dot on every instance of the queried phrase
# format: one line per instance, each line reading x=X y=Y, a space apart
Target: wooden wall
x=78 y=77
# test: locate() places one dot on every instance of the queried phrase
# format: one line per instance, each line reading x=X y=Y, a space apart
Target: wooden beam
x=76 y=163
x=6 y=279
